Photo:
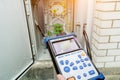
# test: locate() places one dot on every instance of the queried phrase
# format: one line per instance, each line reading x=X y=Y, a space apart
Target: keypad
x=86 y=59
x=82 y=60
x=81 y=67
x=89 y=64
x=66 y=69
x=75 y=68
x=84 y=65
x=79 y=56
x=71 y=64
x=62 y=62
x=80 y=64
x=78 y=77
x=85 y=74
x=77 y=61
x=66 y=62
x=91 y=72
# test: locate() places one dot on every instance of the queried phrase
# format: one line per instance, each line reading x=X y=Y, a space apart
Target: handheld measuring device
x=70 y=60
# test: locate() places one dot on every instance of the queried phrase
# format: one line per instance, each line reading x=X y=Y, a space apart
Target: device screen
x=65 y=46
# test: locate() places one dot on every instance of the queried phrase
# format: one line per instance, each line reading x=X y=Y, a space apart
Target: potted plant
x=58 y=29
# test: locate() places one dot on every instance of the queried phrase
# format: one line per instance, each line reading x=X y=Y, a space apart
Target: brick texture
x=114 y=52
x=119 y=45
x=117 y=58
x=105 y=0
x=112 y=64
x=103 y=24
x=99 y=52
x=104 y=59
x=106 y=45
x=115 y=39
x=118 y=6
x=116 y=23
x=106 y=34
x=108 y=15
x=105 y=6
x=101 y=38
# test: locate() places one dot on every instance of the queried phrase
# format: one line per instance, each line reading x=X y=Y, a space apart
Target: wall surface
x=106 y=33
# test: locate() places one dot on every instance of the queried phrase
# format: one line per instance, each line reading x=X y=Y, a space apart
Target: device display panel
x=65 y=46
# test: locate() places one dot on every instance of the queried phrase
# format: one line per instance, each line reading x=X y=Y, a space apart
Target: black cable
x=87 y=43
x=40 y=31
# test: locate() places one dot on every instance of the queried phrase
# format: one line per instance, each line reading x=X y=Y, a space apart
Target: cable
x=40 y=31
x=87 y=42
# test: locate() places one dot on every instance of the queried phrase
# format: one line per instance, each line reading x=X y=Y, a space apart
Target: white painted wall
x=83 y=14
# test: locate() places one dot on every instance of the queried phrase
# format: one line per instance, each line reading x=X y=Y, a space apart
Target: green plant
x=58 y=28
x=49 y=33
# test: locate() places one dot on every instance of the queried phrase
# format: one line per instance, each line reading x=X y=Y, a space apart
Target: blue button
x=84 y=74
x=84 y=65
x=75 y=68
x=79 y=56
x=82 y=60
x=66 y=69
x=79 y=77
x=66 y=62
x=77 y=61
x=81 y=67
x=62 y=62
x=91 y=72
x=71 y=64
x=86 y=59
x=89 y=64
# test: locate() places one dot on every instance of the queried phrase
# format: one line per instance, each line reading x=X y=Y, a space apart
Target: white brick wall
x=110 y=31
x=105 y=0
x=99 y=52
x=118 y=6
x=106 y=45
x=103 y=24
x=119 y=45
x=114 y=52
x=106 y=34
x=115 y=39
x=109 y=15
x=104 y=59
x=112 y=64
x=116 y=23
x=100 y=65
x=105 y=6
x=101 y=39
x=117 y=58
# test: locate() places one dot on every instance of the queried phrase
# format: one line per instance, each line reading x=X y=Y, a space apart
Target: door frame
x=85 y=17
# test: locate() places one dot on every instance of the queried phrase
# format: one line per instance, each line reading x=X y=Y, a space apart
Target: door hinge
x=27 y=6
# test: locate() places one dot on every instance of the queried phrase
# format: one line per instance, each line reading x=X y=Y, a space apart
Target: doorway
x=72 y=14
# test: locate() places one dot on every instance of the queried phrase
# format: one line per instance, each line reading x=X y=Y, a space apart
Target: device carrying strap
x=87 y=42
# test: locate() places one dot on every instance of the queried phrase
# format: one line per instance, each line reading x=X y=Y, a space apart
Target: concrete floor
x=43 y=70
x=111 y=73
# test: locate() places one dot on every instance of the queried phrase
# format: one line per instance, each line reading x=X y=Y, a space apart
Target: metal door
x=15 y=48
